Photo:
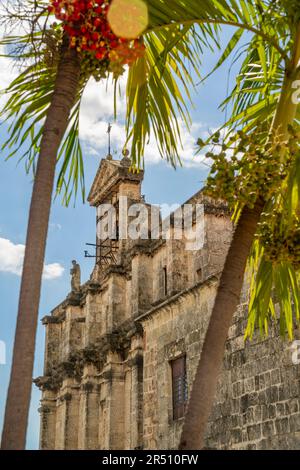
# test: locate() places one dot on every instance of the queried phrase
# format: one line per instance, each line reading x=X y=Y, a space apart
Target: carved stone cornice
x=109 y=174
x=48 y=319
x=118 y=341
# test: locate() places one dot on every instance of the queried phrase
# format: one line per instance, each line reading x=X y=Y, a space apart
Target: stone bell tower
x=92 y=381
x=114 y=183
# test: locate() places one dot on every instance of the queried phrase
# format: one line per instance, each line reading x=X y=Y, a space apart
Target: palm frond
x=159 y=90
x=28 y=99
x=274 y=295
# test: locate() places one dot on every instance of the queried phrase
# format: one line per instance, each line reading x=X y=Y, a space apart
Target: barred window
x=179 y=387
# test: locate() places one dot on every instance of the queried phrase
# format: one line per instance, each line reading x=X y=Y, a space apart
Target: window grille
x=179 y=387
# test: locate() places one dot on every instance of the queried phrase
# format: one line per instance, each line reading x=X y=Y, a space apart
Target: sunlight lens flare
x=128 y=18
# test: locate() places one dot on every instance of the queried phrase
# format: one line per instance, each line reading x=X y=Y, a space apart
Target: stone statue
x=76 y=275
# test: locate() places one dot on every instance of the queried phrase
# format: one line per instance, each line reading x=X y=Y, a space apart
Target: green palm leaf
x=28 y=99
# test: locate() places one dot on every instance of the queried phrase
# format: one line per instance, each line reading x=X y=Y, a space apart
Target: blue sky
x=70 y=228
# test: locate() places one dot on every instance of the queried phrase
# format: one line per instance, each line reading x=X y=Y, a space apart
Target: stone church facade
x=122 y=349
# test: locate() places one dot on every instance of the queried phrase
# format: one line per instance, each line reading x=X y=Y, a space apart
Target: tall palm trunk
x=19 y=392
x=229 y=291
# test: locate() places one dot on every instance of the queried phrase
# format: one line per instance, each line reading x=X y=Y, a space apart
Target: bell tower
x=115 y=180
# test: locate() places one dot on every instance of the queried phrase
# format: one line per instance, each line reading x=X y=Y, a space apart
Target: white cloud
x=53 y=271
x=188 y=150
x=8 y=69
x=97 y=109
x=12 y=256
x=98 y=98
x=55 y=226
x=7 y=74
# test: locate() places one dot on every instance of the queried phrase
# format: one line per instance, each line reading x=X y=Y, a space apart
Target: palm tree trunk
x=19 y=392
x=229 y=291
x=212 y=354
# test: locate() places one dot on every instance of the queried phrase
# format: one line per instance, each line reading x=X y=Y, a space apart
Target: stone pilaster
x=94 y=319
x=67 y=416
x=135 y=363
x=73 y=330
x=88 y=410
x=142 y=284
x=177 y=266
x=116 y=305
x=103 y=428
x=114 y=373
x=53 y=340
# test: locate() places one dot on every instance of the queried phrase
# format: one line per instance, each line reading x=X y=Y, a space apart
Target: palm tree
x=263 y=95
x=64 y=94
x=229 y=291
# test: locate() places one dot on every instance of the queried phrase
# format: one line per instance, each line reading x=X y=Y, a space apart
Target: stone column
x=116 y=303
x=177 y=266
x=103 y=429
x=72 y=414
x=53 y=341
x=114 y=373
x=93 y=323
x=60 y=425
x=88 y=411
x=150 y=385
x=67 y=416
x=74 y=329
x=47 y=420
x=128 y=422
x=142 y=288
x=136 y=393
x=219 y=231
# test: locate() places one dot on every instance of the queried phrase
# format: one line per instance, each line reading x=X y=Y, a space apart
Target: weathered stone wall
x=257 y=405
x=258 y=400
x=169 y=331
